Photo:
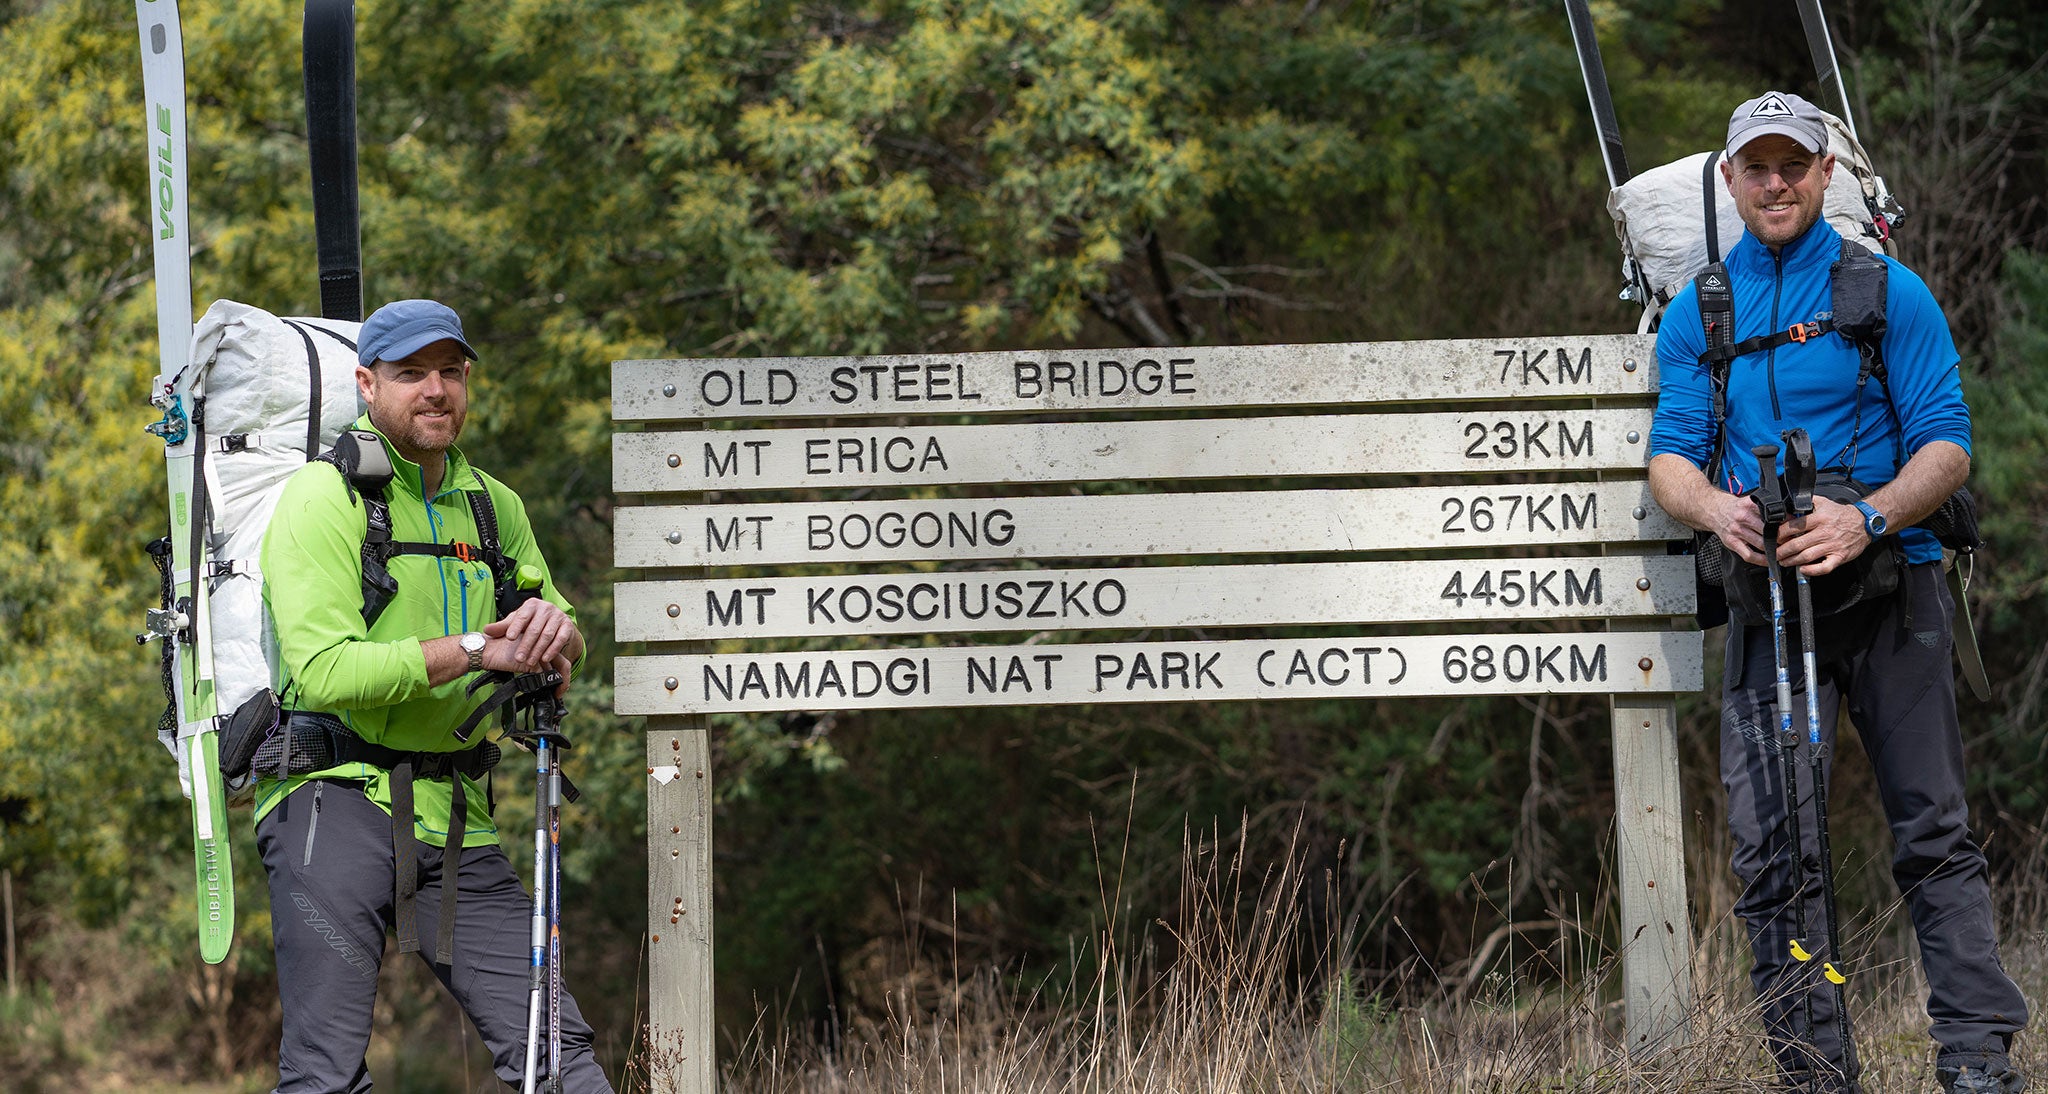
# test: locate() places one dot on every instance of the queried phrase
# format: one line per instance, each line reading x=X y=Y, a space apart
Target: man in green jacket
x=369 y=844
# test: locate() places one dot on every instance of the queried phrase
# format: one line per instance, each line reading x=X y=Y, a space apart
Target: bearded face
x=1779 y=187
x=419 y=401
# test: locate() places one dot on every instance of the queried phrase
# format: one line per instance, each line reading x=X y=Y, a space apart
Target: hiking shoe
x=1994 y=1079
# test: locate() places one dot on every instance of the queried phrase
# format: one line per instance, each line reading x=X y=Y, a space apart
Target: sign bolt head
x=1639 y=514
x=1633 y=438
x=675 y=610
x=669 y=390
x=677 y=536
x=1628 y=364
x=1642 y=583
x=671 y=683
x=677 y=461
x=1645 y=664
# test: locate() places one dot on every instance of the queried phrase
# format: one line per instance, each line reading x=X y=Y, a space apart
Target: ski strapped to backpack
x=1885 y=210
x=330 y=66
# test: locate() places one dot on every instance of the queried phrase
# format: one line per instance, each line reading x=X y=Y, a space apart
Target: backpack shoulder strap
x=1716 y=298
x=1858 y=285
x=486 y=514
x=504 y=568
x=364 y=465
x=1711 y=201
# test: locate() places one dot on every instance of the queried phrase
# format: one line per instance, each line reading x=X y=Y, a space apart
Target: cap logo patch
x=1772 y=106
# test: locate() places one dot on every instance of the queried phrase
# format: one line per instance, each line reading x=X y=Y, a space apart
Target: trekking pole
x=1770 y=500
x=538 y=949
x=1799 y=476
x=535 y=698
x=548 y=714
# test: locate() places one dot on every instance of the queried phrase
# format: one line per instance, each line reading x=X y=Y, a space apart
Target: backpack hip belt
x=307 y=741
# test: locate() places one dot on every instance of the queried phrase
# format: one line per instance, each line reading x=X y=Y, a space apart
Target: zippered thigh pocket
x=313 y=823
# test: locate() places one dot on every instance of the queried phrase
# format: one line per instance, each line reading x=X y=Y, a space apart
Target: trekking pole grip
x=1770 y=489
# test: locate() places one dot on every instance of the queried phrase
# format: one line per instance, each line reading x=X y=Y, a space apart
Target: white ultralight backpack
x=1663 y=219
x=278 y=391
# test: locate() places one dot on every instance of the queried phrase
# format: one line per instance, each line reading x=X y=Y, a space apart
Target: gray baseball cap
x=405 y=327
x=1778 y=112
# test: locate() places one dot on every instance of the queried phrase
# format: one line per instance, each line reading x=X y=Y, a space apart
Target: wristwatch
x=473 y=645
x=1873 y=521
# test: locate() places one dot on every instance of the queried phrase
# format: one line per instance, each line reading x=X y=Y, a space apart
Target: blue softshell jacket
x=1812 y=384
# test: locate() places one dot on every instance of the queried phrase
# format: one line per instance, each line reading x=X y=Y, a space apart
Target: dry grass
x=1213 y=999
x=1218 y=1007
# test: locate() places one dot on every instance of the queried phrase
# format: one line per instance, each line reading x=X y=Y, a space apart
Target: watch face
x=473 y=642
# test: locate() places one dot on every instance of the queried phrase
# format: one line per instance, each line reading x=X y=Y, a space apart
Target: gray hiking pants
x=328 y=852
x=1900 y=693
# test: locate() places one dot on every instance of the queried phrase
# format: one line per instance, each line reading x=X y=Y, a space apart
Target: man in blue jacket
x=1889 y=659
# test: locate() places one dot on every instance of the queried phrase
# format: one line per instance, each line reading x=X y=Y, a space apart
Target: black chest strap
x=487 y=551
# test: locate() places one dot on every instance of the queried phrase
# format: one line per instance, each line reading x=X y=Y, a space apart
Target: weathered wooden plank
x=1649 y=833
x=682 y=1050
x=1409 y=591
x=1134 y=379
x=1152 y=672
x=1207 y=448
x=1110 y=525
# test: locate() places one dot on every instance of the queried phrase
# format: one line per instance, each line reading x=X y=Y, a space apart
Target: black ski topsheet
x=1602 y=101
x=1822 y=45
x=330 y=62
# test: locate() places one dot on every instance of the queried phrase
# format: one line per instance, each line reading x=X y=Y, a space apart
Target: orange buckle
x=463 y=551
x=1800 y=332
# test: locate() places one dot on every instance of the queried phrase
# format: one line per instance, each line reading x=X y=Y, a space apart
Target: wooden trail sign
x=1474 y=517
x=1382 y=666
x=1189 y=378
x=850 y=533
x=1522 y=439
x=980 y=601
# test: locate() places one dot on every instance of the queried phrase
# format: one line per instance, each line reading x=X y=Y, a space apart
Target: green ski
x=183 y=620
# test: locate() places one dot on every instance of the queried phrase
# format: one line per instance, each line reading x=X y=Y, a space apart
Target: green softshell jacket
x=375 y=678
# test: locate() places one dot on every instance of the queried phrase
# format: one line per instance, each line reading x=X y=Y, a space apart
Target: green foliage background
x=591 y=181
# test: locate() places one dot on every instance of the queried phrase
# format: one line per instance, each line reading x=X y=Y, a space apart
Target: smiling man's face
x=1779 y=187
x=419 y=401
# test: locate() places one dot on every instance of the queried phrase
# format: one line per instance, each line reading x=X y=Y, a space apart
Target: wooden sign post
x=1118 y=506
